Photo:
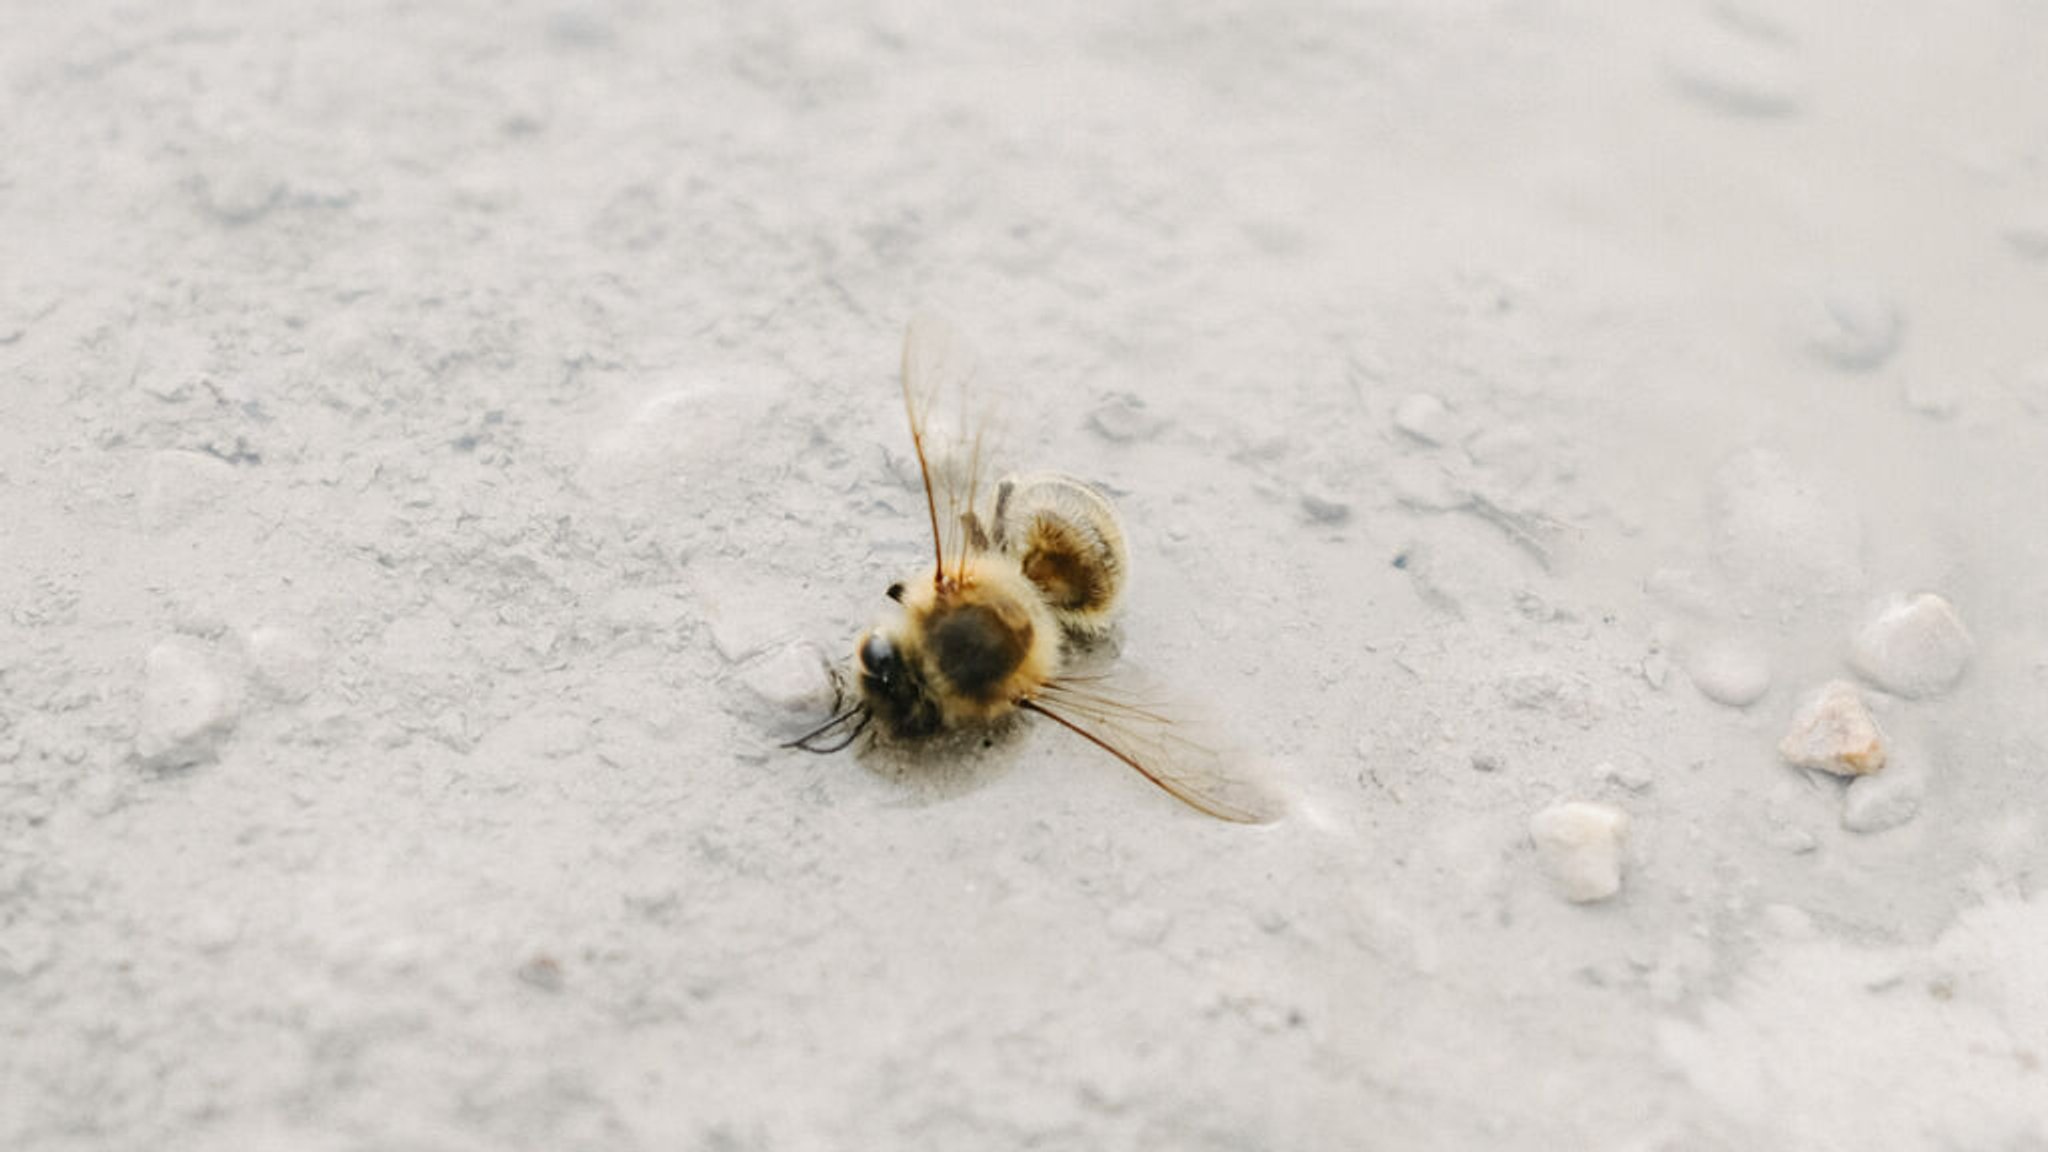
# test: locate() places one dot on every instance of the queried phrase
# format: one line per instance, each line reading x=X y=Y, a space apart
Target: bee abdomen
x=1066 y=537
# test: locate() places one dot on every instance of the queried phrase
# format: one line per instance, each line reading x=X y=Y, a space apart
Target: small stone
x=580 y=25
x=2028 y=238
x=186 y=707
x=1580 y=844
x=792 y=685
x=214 y=930
x=1886 y=800
x=1487 y=762
x=1935 y=397
x=1140 y=924
x=1424 y=485
x=2030 y=380
x=1325 y=508
x=744 y=617
x=1656 y=670
x=239 y=192
x=1914 y=648
x=1425 y=418
x=1834 y=732
x=284 y=662
x=1788 y=921
x=1684 y=590
x=178 y=485
x=1635 y=777
x=1731 y=672
x=1737 y=73
x=1123 y=419
x=1855 y=328
x=543 y=972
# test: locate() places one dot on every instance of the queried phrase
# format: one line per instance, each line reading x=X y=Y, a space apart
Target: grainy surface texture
x=436 y=439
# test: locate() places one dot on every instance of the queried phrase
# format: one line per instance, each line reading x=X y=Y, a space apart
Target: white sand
x=479 y=403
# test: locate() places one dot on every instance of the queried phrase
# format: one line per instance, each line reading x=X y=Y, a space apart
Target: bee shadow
x=947 y=766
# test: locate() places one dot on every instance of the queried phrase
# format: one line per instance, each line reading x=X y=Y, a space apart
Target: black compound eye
x=878 y=658
x=896 y=591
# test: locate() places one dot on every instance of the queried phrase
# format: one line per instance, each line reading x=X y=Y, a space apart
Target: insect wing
x=950 y=428
x=1121 y=713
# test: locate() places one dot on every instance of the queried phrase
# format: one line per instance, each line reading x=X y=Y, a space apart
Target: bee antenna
x=808 y=742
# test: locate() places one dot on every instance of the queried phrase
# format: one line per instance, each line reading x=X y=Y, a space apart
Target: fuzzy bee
x=1018 y=594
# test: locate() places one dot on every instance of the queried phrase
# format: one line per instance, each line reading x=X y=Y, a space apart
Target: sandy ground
x=434 y=435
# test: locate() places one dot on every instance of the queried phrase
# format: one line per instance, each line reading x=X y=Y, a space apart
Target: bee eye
x=896 y=591
x=878 y=658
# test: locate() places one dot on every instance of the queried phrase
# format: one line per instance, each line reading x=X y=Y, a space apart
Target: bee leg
x=1004 y=489
x=977 y=537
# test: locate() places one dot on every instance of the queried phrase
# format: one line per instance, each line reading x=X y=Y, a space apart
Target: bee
x=1018 y=592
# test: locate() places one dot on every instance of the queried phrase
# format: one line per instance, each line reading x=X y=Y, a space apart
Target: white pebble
x=1886 y=800
x=1425 y=418
x=1580 y=845
x=1635 y=777
x=1324 y=506
x=2030 y=380
x=2028 y=238
x=1835 y=733
x=283 y=662
x=186 y=707
x=238 y=192
x=1855 y=328
x=1915 y=647
x=1731 y=672
x=1422 y=484
x=791 y=686
x=1936 y=397
x=1123 y=419
x=177 y=486
x=1684 y=590
x=1737 y=74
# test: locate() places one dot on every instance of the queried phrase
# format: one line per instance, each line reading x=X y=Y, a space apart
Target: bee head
x=893 y=688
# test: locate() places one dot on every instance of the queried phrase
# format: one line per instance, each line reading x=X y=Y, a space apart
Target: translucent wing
x=949 y=428
x=1119 y=712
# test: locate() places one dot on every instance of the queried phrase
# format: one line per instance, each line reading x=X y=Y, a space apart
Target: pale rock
x=1736 y=72
x=1728 y=671
x=237 y=191
x=1511 y=454
x=1684 y=590
x=1324 y=507
x=1124 y=419
x=1935 y=397
x=1886 y=800
x=1425 y=418
x=187 y=706
x=1424 y=485
x=2030 y=381
x=179 y=485
x=1635 y=777
x=1834 y=732
x=1854 y=327
x=2028 y=237
x=1912 y=647
x=1580 y=845
x=284 y=662
x=744 y=616
x=1789 y=922
x=791 y=686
